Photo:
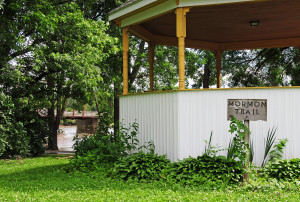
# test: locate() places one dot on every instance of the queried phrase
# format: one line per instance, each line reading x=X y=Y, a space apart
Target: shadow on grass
x=55 y=178
x=50 y=177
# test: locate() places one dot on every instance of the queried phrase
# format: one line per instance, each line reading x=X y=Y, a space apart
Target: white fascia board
x=149 y=13
x=130 y=8
x=188 y=3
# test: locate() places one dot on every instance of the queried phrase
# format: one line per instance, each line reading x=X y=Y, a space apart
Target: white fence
x=178 y=122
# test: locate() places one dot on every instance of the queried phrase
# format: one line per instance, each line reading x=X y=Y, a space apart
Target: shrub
x=22 y=132
x=13 y=137
x=238 y=148
x=202 y=168
x=141 y=166
x=104 y=147
x=283 y=169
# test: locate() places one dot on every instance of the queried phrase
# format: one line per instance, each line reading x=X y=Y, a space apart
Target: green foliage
x=206 y=168
x=43 y=179
x=13 y=137
x=277 y=151
x=22 y=132
x=190 y=171
x=69 y=122
x=261 y=67
x=209 y=149
x=251 y=151
x=52 y=53
x=283 y=169
x=238 y=148
x=141 y=166
x=129 y=137
x=92 y=152
x=95 y=151
x=269 y=143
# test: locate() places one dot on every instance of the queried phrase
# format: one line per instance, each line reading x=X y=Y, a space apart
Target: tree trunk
x=52 y=139
x=206 y=74
x=135 y=67
x=54 y=122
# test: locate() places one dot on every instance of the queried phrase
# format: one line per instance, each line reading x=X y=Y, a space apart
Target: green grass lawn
x=43 y=179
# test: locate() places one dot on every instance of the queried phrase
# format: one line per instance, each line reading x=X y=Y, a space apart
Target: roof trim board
x=129 y=8
x=126 y=10
x=188 y=3
x=157 y=10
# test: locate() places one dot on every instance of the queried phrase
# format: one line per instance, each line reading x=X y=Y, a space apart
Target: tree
x=261 y=67
x=56 y=54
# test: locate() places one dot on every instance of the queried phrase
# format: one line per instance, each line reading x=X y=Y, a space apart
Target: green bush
x=69 y=122
x=283 y=169
x=22 y=132
x=206 y=168
x=13 y=137
x=104 y=147
x=147 y=166
x=141 y=166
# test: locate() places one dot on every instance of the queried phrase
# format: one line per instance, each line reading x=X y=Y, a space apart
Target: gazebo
x=179 y=121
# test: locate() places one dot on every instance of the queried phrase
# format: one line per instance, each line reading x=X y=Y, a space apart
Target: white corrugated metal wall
x=157 y=116
x=178 y=122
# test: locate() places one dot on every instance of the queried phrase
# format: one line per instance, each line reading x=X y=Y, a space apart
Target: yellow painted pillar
x=125 y=59
x=151 y=55
x=218 y=54
x=181 y=34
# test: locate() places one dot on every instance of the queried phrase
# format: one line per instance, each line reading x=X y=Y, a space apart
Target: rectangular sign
x=247 y=109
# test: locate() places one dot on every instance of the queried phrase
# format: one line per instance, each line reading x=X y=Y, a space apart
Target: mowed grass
x=43 y=179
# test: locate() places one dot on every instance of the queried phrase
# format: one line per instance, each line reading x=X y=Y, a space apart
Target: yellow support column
x=125 y=59
x=218 y=55
x=181 y=34
x=151 y=54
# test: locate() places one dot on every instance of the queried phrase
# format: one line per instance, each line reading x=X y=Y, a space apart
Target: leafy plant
x=251 y=153
x=283 y=169
x=129 y=137
x=209 y=149
x=206 y=168
x=268 y=144
x=104 y=148
x=141 y=166
x=231 y=150
x=277 y=152
x=22 y=132
x=238 y=148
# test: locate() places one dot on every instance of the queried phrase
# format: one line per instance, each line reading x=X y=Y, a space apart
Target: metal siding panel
x=152 y=113
x=179 y=122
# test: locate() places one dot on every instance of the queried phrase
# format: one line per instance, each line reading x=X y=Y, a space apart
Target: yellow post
x=218 y=64
x=151 y=54
x=125 y=60
x=181 y=34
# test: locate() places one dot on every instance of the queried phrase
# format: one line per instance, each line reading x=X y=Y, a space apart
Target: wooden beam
x=142 y=33
x=203 y=45
x=272 y=43
x=147 y=36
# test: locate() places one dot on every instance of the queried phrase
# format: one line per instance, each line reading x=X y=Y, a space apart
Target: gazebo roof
x=214 y=24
